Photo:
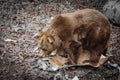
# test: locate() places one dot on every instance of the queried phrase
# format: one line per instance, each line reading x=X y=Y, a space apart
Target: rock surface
x=112 y=10
x=19 y=52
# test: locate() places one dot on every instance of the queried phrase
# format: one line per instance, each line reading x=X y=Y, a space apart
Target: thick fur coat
x=82 y=32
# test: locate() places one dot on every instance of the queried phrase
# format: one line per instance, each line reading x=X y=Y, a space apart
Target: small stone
x=75 y=78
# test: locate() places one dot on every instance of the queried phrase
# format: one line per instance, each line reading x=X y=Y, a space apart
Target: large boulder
x=112 y=10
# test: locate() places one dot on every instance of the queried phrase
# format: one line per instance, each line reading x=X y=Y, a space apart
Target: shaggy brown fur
x=85 y=29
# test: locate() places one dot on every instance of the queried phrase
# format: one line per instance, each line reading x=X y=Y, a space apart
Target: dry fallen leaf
x=83 y=57
x=102 y=60
x=58 y=61
x=10 y=40
x=21 y=57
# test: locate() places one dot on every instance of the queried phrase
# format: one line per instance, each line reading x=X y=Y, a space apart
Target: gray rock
x=112 y=10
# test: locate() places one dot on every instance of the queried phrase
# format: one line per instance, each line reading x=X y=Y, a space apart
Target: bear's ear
x=58 y=17
x=58 y=20
x=50 y=39
x=38 y=35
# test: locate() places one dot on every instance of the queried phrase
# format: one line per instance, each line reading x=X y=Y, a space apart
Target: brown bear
x=84 y=31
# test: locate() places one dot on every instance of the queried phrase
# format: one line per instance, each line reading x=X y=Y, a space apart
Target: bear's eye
x=51 y=43
x=43 y=49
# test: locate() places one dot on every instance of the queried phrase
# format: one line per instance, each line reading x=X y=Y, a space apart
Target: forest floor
x=19 y=51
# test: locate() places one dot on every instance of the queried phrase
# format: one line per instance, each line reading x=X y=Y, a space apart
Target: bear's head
x=47 y=43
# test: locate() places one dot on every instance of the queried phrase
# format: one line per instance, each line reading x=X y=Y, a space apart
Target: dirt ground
x=19 y=51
